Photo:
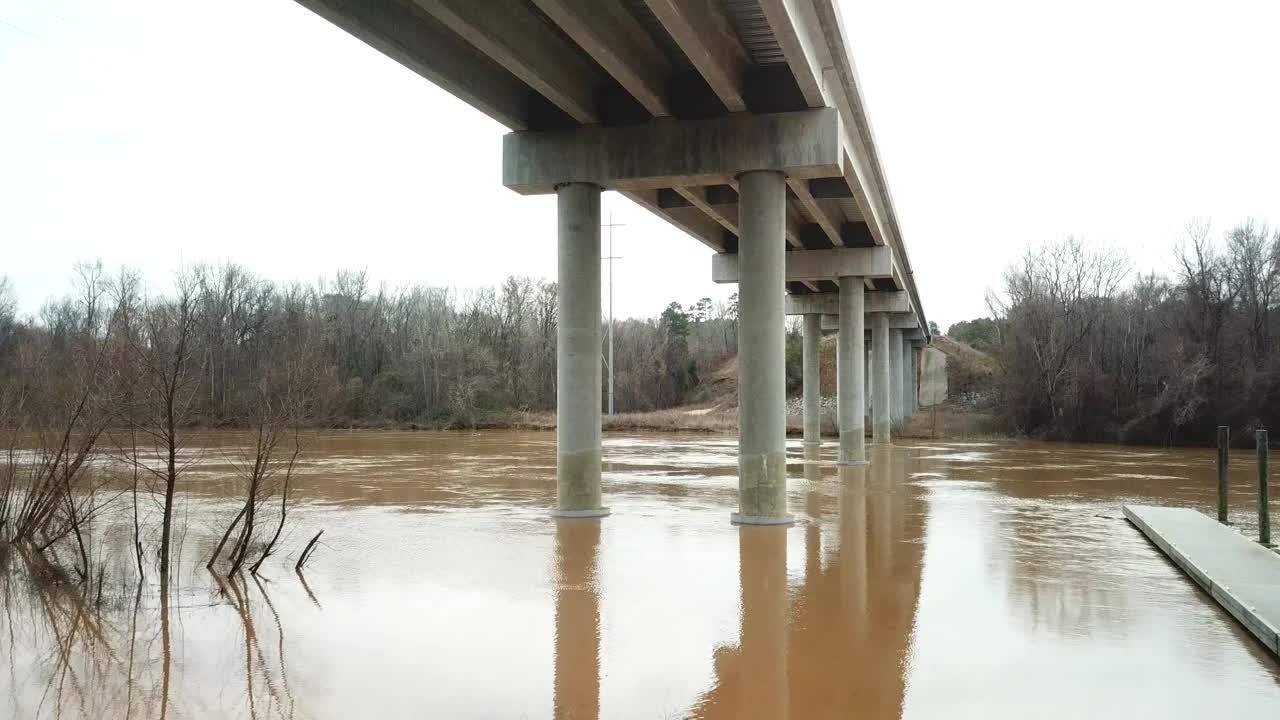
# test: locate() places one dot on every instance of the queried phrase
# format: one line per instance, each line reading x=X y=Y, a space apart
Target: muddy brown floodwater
x=993 y=580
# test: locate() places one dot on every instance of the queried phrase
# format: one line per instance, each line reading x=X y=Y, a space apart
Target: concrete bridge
x=740 y=122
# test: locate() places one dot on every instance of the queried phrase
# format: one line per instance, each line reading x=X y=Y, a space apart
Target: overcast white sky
x=157 y=133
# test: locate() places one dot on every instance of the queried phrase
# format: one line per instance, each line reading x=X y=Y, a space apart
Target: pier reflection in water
x=940 y=579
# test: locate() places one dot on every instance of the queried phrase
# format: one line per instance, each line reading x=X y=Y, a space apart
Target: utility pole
x=611 y=257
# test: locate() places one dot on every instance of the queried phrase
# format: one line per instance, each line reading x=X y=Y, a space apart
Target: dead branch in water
x=306 y=552
x=284 y=504
x=213 y=559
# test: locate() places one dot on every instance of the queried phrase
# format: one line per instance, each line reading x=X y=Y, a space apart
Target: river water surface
x=994 y=580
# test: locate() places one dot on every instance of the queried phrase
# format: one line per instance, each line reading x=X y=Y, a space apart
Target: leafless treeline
x=434 y=356
x=97 y=401
x=1087 y=356
x=118 y=372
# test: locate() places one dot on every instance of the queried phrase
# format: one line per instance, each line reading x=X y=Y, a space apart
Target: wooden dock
x=1243 y=576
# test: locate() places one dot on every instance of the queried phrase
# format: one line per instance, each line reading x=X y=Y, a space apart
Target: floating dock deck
x=1243 y=576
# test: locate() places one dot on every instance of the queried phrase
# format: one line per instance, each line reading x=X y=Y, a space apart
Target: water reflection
x=835 y=643
x=577 y=644
x=938 y=580
x=75 y=653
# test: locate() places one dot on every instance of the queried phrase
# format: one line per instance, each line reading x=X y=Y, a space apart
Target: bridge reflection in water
x=941 y=579
x=833 y=643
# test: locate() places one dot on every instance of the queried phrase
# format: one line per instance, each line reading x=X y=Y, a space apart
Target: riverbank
x=949 y=421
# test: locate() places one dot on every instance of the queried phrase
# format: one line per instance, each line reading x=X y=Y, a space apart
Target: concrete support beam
x=674 y=153
x=881 y=421
x=707 y=38
x=725 y=215
x=811 y=386
x=762 y=462
x=895 y=375
x=802 y=265
x=904 y=322
x=850 y=375
x=411 y=37
x=578 y=373
x=828 y=303
x=811 y=207
x=619 y=43
x=792 y=23
x=691 y=220
x=908 y=379
x=516 y=38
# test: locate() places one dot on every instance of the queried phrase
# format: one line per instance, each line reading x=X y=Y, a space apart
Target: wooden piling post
x=1264 y=499
x=1224 y=439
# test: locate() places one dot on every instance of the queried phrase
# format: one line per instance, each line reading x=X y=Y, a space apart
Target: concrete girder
x=516 y=38
x=674 y=153
x=850 y=169
x=846 y=94
x=707 y=38
x=832 y=264
x=828 y=303
x=725 y=215
x=619 y=43
x=811 y=207
x=792 y=23
x=411 y=37
x=689 y=219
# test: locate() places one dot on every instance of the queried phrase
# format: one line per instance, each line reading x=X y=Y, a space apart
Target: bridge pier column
x=812 y=384
x=762 y=462
x=578 y=374
x=880 y=414
x=850 y=375
x=908 y=379
x=895 y=375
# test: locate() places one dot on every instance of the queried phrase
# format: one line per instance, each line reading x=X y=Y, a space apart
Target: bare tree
x=166 y=358
x=1053 y=298
x=1254 y=271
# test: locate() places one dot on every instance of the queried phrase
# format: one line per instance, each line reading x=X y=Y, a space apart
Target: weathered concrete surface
x=895 y=375
x=908 y=379
x=578 y=373
x=762 y=462
x=831 y=264
x=850 y=376
x=668 y=152
x=907 y=323
x=811 y=385
x=933 y=377
x=880 y=393
x=1241 y=575
x=828 y=303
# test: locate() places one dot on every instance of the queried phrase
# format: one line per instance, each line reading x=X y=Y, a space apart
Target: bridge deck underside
x=546 y=65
